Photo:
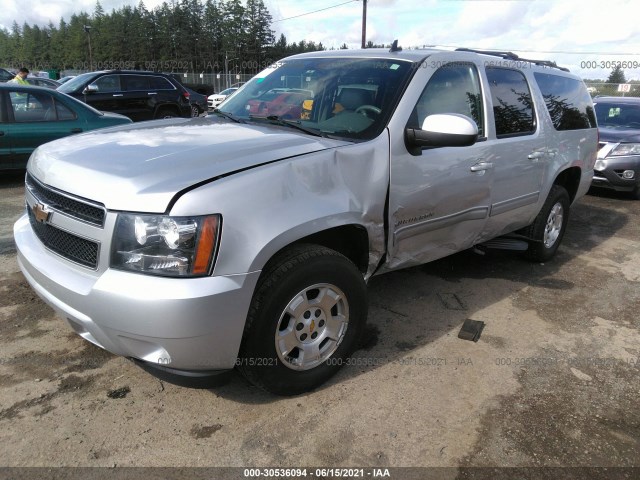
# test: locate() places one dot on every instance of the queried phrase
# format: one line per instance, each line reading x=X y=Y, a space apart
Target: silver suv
x=246 y=239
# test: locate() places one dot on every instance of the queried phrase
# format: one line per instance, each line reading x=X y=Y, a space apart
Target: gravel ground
x=553 y=380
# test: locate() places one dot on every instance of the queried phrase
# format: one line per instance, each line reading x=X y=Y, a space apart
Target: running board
x=504 y=243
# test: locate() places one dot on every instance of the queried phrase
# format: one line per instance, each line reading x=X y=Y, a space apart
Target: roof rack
x=514 y=57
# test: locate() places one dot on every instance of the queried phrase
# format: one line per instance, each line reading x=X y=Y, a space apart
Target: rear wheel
x=195 y=111
x=306 y=314
x=166 y=112
x=547 y=230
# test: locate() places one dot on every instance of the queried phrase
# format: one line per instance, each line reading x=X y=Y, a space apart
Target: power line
x=315 y=11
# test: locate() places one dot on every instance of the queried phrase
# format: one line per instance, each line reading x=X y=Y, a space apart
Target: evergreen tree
x=194 y=35
x=213 y=35
x=233 y=26
x=617 y=75
x=258 y=33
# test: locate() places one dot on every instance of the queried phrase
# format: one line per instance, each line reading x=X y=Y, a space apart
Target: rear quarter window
x=160 y=83
x=567 y=101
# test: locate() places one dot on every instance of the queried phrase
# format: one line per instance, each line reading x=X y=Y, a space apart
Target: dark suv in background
x=138 y=95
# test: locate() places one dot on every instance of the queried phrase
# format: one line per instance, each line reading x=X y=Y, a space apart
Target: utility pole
x=364 y=23
x=87 y=30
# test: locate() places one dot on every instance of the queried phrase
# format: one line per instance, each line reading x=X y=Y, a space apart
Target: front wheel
x=306 y=315
x=548 y=228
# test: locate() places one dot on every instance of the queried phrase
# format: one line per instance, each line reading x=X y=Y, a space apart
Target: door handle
x=152 y=93
x=117 y=94
x=481 y=166
x=1 y=133
x=535 y=155
x=76 y=130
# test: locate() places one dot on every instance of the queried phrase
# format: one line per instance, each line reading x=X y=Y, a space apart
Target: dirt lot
x=553 y=380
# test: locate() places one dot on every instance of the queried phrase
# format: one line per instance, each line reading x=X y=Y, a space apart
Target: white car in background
x=216 y=99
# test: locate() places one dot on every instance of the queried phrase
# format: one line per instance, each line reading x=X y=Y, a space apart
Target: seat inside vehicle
x=352 y=98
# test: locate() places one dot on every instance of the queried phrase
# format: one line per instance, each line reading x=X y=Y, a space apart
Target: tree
x=213 y=34
x=233 y=21
x=258 y=33
x=617 y=75
x=178 y=34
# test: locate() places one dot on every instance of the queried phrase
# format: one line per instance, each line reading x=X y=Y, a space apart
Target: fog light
x=628 y=174
x=600 y=165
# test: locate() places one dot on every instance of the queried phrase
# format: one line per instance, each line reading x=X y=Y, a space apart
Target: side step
x=503 y=243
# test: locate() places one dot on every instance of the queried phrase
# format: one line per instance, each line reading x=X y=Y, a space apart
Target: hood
x=141 y=167
x=619 y=134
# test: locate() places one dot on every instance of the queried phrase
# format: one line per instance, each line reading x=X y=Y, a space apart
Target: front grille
x=81 y=209
x=67 y=245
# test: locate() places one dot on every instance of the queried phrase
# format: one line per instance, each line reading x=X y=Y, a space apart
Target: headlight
x=163 y=245
x=625 y=149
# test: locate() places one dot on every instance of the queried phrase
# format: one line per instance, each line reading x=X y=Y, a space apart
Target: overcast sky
x=585 y=37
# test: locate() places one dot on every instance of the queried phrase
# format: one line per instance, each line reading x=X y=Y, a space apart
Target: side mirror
x=90 y=89
x=442 y=130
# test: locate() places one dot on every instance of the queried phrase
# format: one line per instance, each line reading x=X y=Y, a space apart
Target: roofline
x=420 y=54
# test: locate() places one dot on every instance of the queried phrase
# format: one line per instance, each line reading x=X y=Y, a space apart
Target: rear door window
x=32 y=107
x=135 y=83
x=567 y=101
x=512 y=102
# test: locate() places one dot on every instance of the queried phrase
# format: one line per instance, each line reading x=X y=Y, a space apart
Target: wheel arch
x=165 y=107
x=351 y=240
x=569 y=179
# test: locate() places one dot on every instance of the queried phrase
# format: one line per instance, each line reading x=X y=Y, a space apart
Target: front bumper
x=193 y=325
x=608 y=173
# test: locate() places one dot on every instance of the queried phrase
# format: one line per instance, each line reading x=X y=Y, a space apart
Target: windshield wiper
x=275 y=119
x=228 y=115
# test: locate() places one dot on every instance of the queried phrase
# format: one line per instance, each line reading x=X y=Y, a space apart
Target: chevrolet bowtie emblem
x=41 y=212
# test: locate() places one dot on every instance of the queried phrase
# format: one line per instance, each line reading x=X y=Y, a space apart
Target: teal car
x=31 y=116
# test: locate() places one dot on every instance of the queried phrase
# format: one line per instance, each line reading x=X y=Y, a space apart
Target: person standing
x=20 y=77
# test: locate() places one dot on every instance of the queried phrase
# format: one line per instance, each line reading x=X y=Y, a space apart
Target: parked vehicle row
x=136 y=94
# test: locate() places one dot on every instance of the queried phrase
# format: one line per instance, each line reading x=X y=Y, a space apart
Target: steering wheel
x=363 y=109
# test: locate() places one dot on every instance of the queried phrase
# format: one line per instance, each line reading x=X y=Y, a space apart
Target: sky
x=588 y=38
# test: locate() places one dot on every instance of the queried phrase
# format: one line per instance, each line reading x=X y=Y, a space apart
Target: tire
x=310 y=301
x=547 y=230
x=195 y=111
x=166 y=112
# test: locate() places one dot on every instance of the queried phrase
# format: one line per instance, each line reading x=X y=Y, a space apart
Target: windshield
x=618 y=115
x=76 y=82
x=341 y=97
